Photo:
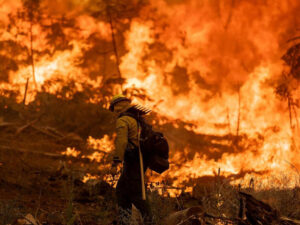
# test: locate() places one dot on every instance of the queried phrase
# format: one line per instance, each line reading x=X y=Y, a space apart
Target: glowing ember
x=71 y=152
x=96 y=156
x=88 y=176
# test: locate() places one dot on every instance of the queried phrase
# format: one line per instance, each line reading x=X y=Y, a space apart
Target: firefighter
x=129 y=186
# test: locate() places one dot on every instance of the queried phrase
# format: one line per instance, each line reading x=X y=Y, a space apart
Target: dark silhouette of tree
x=112 y=12
x=286 y=88
x=33 y=16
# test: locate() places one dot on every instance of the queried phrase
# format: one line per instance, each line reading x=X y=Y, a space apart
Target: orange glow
x=207 y=68
x=105 y=144
x=88 y=176
x=71 y=152
x=260 y=111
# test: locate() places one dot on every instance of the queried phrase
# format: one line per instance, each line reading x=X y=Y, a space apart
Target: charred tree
x=25 y=92
x=31 y=8
x=285 y=88
x=115 y=13
x=31 y=53
x=113 y=39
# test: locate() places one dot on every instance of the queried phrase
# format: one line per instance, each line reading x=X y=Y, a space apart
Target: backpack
x=154 y=146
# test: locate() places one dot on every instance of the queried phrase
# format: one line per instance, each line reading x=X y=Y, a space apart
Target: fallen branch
x=45 y=131
x=7 y=124
x=53 y=155
x=22 y=128
x=258 y=212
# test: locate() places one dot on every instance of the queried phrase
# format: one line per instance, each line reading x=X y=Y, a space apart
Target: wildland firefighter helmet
x=116 y=99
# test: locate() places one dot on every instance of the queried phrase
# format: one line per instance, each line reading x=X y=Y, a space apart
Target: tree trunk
x=31 y=54
x=113 y=39
x=25 y=92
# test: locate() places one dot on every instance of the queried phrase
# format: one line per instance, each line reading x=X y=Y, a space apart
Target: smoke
x=67 y=8
x=221 y=41
x=7 y=7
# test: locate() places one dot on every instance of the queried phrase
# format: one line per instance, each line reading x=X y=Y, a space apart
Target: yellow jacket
x=126 y=129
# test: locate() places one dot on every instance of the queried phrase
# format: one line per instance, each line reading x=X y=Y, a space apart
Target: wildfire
x=88 y=176
x=71 y=152
x=241 y=99
x=211 y=64
x=105 y=144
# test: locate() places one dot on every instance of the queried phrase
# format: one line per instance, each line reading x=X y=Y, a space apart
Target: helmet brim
x=112 y=104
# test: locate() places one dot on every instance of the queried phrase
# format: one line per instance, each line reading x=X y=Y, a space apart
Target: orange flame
x=212 y=64
x=71 y=152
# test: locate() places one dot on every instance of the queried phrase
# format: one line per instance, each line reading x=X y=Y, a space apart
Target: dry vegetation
x=37 y=179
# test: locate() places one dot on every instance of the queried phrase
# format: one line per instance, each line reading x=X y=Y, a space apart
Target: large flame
x=212 y=64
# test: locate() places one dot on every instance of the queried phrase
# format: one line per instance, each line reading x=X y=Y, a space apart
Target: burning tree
x=287 y=88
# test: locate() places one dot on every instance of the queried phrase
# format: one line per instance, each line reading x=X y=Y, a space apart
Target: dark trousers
x=129 y=191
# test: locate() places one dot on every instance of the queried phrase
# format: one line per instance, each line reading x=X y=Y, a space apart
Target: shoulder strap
x=139 y=120
x=129 y=114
